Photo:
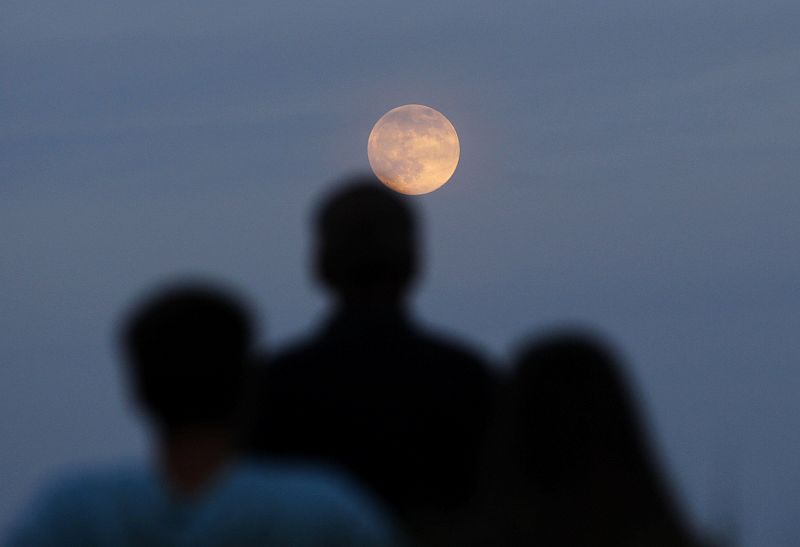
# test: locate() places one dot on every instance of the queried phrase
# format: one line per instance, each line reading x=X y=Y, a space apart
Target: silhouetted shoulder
x=301 y=504
x=297 y=351
x=311 y=487
x=245 y=505
x=452 y=348
x=72 y=507
x=433 y=343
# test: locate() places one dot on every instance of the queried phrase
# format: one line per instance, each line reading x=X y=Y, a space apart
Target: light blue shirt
x=249 y=504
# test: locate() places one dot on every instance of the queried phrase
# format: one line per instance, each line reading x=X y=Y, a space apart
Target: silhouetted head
x=187 y=348
x=366 y=246
x=573 y=407
x=580 y=447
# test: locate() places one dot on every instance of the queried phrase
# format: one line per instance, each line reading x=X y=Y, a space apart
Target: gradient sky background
x=627 y=165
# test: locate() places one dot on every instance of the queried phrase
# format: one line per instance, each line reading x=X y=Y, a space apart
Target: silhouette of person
x=581 y=471
x=403 y=410
x=188 y=350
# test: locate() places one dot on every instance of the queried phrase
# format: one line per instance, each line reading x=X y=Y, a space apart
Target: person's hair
x=365 y=238
x=581 y=448
x=187 y=348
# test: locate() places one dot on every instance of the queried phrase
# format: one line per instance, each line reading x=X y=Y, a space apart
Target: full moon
x=413 y=149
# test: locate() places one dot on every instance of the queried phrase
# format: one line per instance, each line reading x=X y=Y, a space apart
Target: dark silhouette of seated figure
x=582 y=471
x=401 y=409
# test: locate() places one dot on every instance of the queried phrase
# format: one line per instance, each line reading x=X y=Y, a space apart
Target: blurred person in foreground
x=577 y=468
x=187 y=350
x=402 y=409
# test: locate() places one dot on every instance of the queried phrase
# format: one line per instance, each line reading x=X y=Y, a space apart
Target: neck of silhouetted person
x=191 y=457
x=372 y=299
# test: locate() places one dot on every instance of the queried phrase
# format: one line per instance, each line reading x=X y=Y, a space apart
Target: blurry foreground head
x=187 y=348
x=575 y=408
x=581 y=449
x=366 y=241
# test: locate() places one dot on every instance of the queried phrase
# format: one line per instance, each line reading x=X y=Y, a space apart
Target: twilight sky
x=631 y=166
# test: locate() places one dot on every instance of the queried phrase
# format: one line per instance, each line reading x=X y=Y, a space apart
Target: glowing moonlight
x=413 y=149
